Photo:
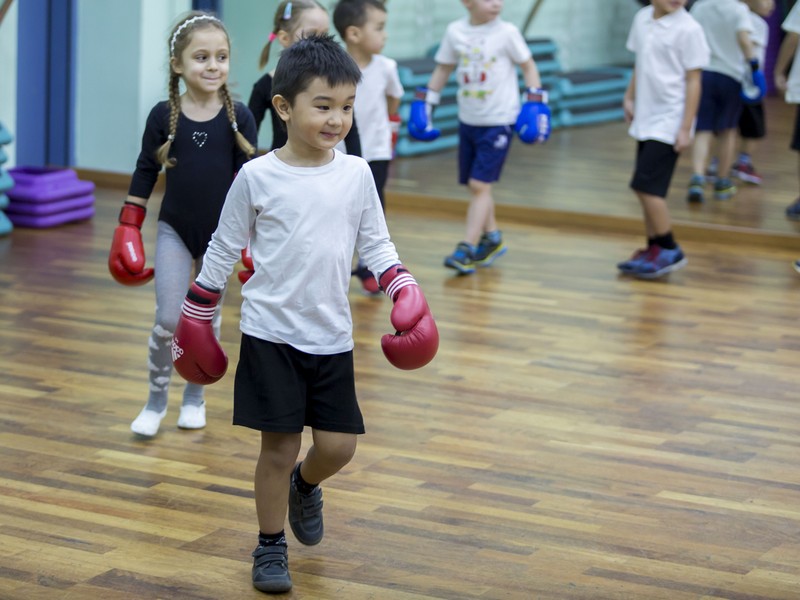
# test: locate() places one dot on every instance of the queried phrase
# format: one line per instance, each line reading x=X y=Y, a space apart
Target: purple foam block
x=42 y=184
x=49 y=208
x=41 y=222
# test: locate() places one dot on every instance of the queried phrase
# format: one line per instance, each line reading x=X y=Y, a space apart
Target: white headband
x=183 y=26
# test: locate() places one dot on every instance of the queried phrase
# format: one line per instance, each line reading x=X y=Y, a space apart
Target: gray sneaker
x=305 y=513
x=271 y=569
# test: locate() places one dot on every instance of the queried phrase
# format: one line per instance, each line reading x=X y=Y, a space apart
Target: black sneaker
x=305 y=513
x=793 y=210
x=271 y=569
x=487 y=251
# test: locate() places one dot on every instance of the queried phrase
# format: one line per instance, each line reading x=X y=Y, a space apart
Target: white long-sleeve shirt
x=303 y=224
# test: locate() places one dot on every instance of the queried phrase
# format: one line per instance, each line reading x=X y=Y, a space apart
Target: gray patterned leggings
x=175 y=269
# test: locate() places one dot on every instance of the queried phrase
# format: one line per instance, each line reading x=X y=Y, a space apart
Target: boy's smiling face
x=320 y=117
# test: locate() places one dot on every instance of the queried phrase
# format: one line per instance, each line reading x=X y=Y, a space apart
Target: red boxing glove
x=247 y=261
x=417 y=339
x=394 y=123
x=196 y=352
x=126 y=259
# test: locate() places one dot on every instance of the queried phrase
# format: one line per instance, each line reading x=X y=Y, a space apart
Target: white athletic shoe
x=148 y=422
x=192 y=416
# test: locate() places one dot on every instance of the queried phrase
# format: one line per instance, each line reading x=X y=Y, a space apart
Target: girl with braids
x=202 y=138
x=293 y=20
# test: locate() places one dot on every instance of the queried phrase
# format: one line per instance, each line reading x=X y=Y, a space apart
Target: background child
x=752 y=121
x=485 y=50
x=789 y=54
x=362 y=26
x=661 y=103
x=727 y=26
x=293 y=20
x=202 y=138
x=296 y=361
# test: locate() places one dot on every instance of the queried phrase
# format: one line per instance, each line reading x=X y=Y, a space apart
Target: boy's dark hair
x=311 y=57
x=353 y=13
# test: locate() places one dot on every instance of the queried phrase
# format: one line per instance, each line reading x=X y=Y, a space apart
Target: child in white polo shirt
x=728 y=27
x=660 y=104
x=790 y=55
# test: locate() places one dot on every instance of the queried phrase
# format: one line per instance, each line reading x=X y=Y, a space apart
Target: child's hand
x=683 y=140
x=627 y=106
x=780 y=82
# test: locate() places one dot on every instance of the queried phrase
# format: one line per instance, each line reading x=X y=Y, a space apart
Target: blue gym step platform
x=576 y=98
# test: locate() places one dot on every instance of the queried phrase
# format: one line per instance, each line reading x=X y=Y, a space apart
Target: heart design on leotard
x=200 y=138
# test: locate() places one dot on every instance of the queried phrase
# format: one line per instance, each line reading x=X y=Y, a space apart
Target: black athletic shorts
x=752 y=122
x=655 y=164
x=281 y=389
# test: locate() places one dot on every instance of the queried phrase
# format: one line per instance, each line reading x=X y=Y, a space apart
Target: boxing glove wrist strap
x=429 y=96
x=132 y=214
x=402 y=278
x=535 y=95
x=200 y=303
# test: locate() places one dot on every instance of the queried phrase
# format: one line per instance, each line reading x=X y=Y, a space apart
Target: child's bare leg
x=656 y=215
x=700 y=150
x=480 y=215
x=330 y=452
x=727 y=149
x=275 y=463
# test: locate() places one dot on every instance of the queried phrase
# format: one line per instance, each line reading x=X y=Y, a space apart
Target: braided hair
x=178 y=41
x=287 y=18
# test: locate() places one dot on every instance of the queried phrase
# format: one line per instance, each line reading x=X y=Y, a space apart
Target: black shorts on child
x=281 y=389
x=752 y=122
x=655 y=164
x=796 y=136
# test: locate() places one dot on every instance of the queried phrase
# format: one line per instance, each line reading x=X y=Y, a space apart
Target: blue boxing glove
x=533 y=122
x=420 y=120
x=754 y=84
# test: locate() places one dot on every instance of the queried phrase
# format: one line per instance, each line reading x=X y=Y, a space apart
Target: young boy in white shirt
x=305 y=207
x=661 y=104
x=362 y=26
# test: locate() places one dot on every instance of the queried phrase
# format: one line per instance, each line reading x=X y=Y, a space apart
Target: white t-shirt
x=379 y=79
x=666 y=49
x=721 y=21
x=759 y=37
x=792 y=25
x=485 y=57
x=303 y=225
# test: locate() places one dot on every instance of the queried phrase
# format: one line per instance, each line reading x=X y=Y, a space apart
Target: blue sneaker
x=490 y=248
x=797 y=265
x=462 y=259
x=793 y=210
x=659 y=262
x=628 y=266
x=724 y=189
x=696 y=184
x=712 y=170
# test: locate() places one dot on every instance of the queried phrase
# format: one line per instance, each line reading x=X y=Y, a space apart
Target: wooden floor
x=579 y=435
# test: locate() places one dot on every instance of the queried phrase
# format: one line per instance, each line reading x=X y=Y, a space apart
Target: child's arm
x=692 y=101
x=530 y=74
x=629 y=100
x=392 y=105
x=440 y=76
x=746 y=45
x=785 y=55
